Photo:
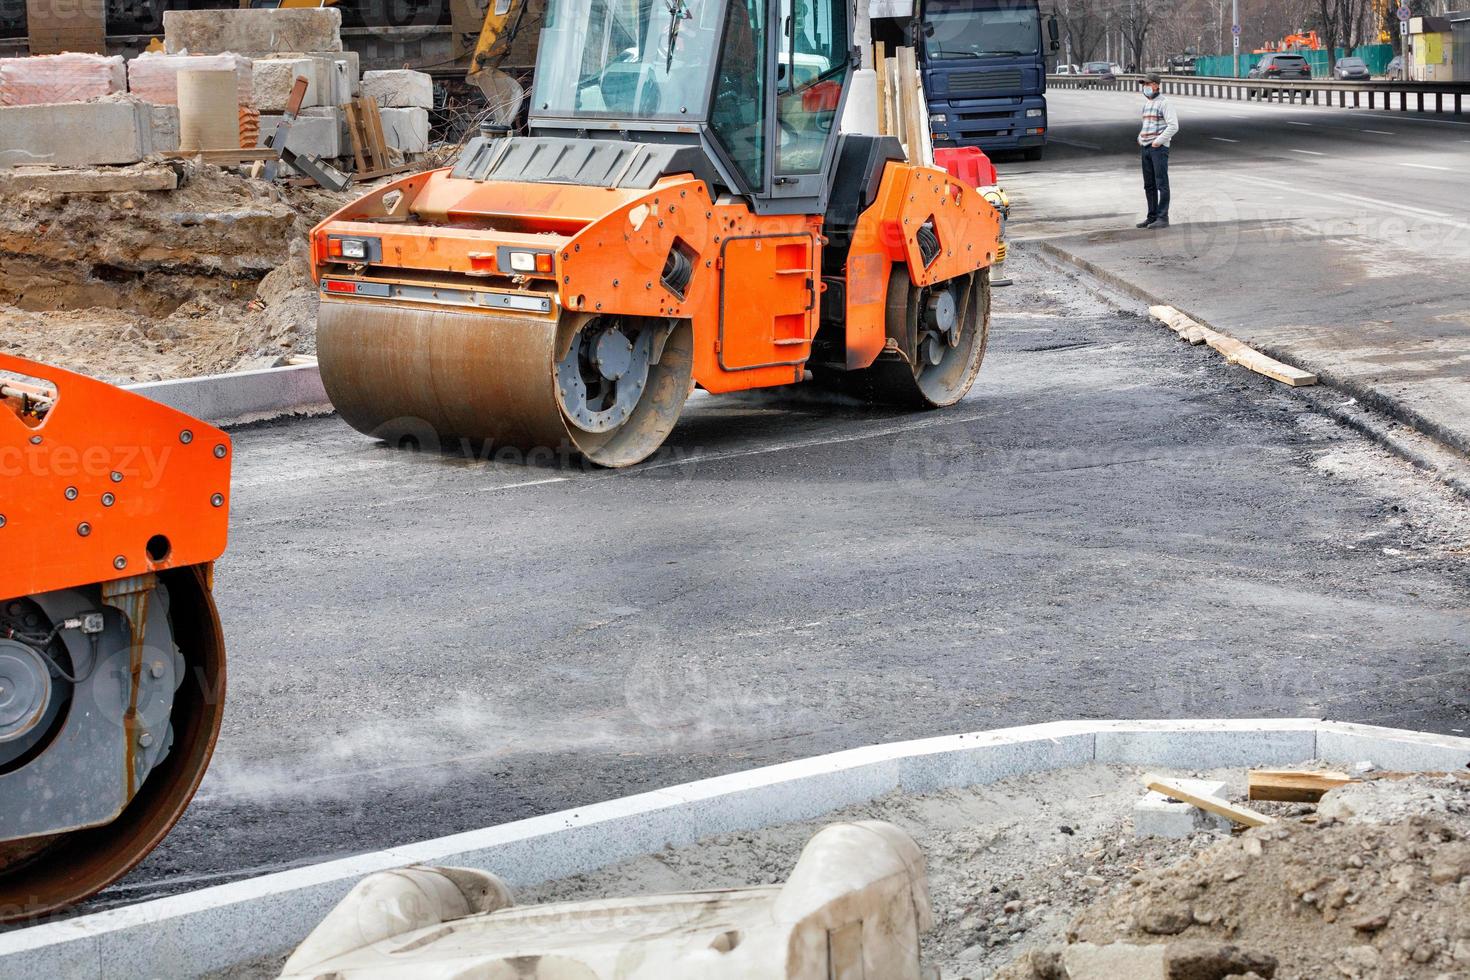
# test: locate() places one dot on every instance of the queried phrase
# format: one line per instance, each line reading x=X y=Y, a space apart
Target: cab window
x=809 y=70
x=738 y=115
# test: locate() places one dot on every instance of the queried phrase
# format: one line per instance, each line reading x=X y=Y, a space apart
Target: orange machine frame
x=99 y=484
x=608 y=245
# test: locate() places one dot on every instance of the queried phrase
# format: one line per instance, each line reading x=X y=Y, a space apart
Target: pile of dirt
x=143 y=285
x=1375 y=884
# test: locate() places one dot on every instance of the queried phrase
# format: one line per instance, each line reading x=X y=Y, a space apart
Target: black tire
x=1033 y=153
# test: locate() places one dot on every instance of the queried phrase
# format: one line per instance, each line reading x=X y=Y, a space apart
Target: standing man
x=1160 y=123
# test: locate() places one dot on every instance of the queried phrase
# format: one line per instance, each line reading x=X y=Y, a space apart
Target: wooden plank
x=1224 y=808
x=1254 y=360
x=376 y=141
x=1293 y=786
x=885 y=116
x=1235 y=351
x=907 y=99
x=355 y=133
x=230 y=155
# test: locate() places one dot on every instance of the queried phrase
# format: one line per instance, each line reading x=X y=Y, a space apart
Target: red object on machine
x=967 y=163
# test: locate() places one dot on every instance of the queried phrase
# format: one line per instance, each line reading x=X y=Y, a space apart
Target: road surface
x=1111 y=525
x=1336 y=239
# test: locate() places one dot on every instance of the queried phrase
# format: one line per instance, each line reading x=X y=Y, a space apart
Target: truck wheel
x=1034 y=152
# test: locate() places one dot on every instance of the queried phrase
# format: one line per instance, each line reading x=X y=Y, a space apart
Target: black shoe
x=1145 y=223
x=1161 y=223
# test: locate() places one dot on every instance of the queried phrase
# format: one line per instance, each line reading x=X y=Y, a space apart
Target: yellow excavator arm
x=507 y=39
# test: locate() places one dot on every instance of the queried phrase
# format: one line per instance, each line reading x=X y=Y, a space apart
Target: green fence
x=1377 y=57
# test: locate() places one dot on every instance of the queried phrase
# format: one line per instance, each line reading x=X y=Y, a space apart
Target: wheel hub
x=603 y=374
x=25 y=690
x=940 y=326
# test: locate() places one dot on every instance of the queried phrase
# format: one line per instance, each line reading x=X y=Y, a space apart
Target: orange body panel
x=967 y=226
x=114 y=465
x=753 y=293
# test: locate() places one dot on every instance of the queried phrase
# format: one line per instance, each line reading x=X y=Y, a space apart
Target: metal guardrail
x=1446 y=96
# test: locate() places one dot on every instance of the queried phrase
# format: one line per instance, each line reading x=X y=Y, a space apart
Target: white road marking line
x=1384 y=132
x=1313 y=153
x=1085 y=146
x=1436 y=216
x=527 y=483
x=1293 y=122
x=1222 y=139
x=1427 y=166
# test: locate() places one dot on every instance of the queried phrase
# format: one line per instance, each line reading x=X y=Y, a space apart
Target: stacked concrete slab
x=153 y=76
x=77 y=134
x=288 y=44
x=54 y=78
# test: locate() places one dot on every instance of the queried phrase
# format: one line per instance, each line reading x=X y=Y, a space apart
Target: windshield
x=627 y=58
x=982 y=32
x=1353 y=63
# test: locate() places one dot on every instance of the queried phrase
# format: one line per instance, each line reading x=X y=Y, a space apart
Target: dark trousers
x=1156 y=181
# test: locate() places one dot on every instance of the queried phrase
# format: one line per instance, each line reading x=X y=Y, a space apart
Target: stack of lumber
x=903 y=110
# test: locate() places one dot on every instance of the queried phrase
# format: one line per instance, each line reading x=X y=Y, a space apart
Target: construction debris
x=88 y=180
x=1293 y=786
x=1176 y=789
x=1234 y=350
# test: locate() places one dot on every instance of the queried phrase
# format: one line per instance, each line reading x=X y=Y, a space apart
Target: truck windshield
x=981 y=31
x=629 y=59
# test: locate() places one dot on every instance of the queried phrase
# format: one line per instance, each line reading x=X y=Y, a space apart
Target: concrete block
x=76 y=134
x=1086 y=961
x=331 y=79
x=163 y=120
x=244 y=396
x=406 y=129
x=272 y=78
x=984 y=757
x=87 y=180
x=1341 y=743
x=1158 y=816
x=54 y=78
x=252 y=32
x=401 y=89
x=318 y=131
x=1207 y=743
x=153 y=75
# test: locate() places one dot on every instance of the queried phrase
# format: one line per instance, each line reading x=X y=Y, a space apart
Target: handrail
x=1448 y=96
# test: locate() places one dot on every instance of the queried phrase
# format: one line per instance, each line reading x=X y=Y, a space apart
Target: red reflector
x=338 y=286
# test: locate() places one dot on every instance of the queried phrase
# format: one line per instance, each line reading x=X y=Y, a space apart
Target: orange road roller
x=683 y=210
x=113 y=509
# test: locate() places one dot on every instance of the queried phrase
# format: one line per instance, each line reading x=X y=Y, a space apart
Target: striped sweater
x=1160 y=122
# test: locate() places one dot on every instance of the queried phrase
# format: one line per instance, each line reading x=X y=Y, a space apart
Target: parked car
x=1351 y=70
x=1283 y=65
x=1395 y=69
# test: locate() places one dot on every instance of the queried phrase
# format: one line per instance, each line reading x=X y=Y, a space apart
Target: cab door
x=768 y=300
x=809 y=55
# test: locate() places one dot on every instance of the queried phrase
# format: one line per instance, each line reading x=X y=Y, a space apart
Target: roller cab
x=683 y=211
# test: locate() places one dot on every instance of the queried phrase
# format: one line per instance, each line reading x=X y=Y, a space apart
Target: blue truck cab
x=984 y=68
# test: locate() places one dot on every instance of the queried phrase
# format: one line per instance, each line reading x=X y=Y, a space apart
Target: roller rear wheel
x=45 y=873
x=941 y=332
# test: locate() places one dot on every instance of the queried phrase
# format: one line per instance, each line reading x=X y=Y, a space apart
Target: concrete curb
x=245 y=396
x=1428 y=446
x=214 y=928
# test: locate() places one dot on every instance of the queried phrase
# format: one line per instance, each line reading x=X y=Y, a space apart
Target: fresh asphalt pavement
x=1336 y=239
x=1112 y=524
